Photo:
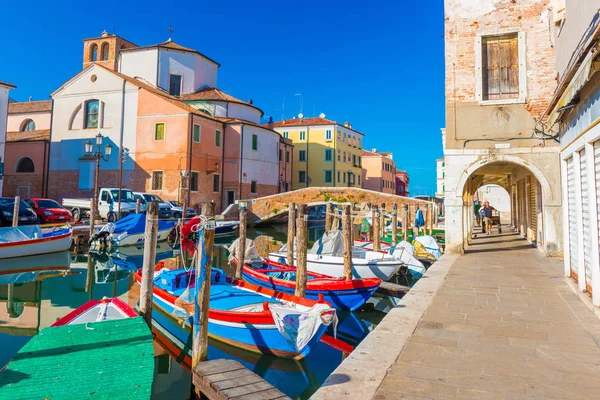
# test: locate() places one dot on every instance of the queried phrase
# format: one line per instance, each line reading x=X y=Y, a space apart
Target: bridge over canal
x=271 y=208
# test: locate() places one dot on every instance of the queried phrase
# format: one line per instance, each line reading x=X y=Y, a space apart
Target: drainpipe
x=47 y=164
x=44 y=170
x=334 y=138
x=224 y=126
x=241 y=159
x=121 y=148
x=307 y=159
x=189 y=155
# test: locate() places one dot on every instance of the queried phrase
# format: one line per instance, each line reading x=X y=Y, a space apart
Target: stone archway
x=505 y=170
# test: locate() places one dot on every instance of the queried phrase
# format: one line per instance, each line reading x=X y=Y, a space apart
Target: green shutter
x=218 y=138
x=254 y=142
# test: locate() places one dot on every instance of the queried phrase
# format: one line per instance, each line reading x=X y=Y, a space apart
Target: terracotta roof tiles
x=29 y=106
x=308 y=122
x=28 y=136
x=4 y=83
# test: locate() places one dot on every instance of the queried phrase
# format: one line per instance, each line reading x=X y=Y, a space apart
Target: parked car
x=26 y=215
x=164 y=208
x=177 y=209
x=108 y=202
x=49 y=211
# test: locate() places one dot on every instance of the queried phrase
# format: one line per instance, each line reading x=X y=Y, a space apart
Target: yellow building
x=325 y=152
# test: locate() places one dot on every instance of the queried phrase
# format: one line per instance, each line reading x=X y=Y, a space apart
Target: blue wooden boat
x=241 y=314
x=341 y=293
x=130 y=230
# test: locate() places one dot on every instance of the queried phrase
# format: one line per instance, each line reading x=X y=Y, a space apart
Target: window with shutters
x=253 y=187
x=157 y=180
x=159 y=131
x=194 y=181
x=216 y=182
x=196 y=137
x=500 y=68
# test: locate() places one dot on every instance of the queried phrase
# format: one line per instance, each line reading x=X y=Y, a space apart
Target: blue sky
x=378 y=64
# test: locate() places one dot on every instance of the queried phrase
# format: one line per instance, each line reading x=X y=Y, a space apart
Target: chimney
x=270 y=123
x=374 y=150
x=250 y=101
x=346 y=124
x=30 y=98
x=104 y=33
x=350 y=126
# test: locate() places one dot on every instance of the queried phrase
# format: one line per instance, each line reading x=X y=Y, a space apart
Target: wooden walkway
x=505 y=325
x=98 y=360
x=228 y=379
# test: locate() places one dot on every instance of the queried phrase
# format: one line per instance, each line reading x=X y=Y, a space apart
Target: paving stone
x=420 y=387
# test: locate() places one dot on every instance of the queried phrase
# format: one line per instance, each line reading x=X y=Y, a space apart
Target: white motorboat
x=403 y=251
x=326 y=257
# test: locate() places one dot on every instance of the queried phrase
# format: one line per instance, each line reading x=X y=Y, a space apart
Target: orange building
x=379 y=171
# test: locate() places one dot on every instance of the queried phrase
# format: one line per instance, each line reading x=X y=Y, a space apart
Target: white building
x=574 y=115
x=5 y=88
x=440 y=165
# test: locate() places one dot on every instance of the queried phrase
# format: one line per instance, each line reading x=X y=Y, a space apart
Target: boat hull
x=131 y=240
x=44 y=245
x=344 y=295
x=360 y=268
x=263 y=338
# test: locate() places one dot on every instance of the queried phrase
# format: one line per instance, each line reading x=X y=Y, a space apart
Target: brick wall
x=465 y=117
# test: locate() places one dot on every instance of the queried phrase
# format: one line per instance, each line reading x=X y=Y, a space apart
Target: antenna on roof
x=300 y=115
x=322 y=115
x=301 y=100
x=170 y=30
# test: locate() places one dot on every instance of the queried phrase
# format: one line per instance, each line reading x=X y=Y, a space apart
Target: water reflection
x=37 y=291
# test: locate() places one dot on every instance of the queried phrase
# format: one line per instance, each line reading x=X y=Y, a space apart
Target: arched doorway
x=532 y=214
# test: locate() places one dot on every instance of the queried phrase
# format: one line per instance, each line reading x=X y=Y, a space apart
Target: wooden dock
x=228 y=379
x=392 y=289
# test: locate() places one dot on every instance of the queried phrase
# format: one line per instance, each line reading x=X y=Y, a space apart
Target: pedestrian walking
x=477 y=207
x=486 y=212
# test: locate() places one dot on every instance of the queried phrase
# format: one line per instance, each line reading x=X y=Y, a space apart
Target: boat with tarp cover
x=19 y=241
x=326 y=257
x=130 y=230
x=244 y=315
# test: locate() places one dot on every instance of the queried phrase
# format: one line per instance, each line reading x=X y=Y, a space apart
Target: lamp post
x=98 y=155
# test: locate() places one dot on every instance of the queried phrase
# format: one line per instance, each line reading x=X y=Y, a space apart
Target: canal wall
x=361 y=374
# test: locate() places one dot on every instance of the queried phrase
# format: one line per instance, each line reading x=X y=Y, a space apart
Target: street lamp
x=98 y=155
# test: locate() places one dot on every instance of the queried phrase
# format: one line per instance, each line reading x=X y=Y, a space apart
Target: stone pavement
x=505 y=325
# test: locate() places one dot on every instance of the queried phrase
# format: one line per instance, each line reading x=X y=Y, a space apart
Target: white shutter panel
x=573 y=247
x=597 y=172
x=585 y=214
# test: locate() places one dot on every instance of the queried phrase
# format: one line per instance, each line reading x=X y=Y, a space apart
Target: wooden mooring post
x=92 y=217
x=382 y=221
x=376 y=230
x=15 y=221
x=429 y=219
x=405 y=221
x=138 y=206
x=241 y=249
x=394 y=223
x=347 y=235
x=291 y=234
x=206 y=241
x=302 y=244
x=150 y=239
x=328 y=216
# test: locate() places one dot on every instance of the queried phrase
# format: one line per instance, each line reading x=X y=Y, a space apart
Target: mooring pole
x=291 y=233
x=302 y=244
x=150 y=238
x=405 y=222
x=430 y=219
x=382 y=223
x=206 y=241
x=347 y=235
x=92 y=217
x=329 y=217
x=15 y=221
x=376 y=229
x=241 y=249
x=91 y=275
x=138 y=206
x=394 y=224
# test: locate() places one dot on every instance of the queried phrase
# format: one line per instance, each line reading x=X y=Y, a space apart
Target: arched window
x=94 y=52
x=91 y=114
x=105 y=52
x=25 y=164
x=28 y=125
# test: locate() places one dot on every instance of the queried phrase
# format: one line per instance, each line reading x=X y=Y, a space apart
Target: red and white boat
x=30 y=240
x=106 y=309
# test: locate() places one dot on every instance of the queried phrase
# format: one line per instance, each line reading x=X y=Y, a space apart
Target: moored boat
x=404 y=251
x=245 y=315
x=130 y=230
x=339 y=292
x=326 y=258
x=31 y=240
x=107 y=309
x=222 y=228
x=95 y=344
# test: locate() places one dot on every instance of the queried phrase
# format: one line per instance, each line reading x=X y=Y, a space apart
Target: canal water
x=33 y=299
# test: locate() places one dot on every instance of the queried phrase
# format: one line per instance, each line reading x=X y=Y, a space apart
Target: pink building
x=402 y=181
x=379 y=171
